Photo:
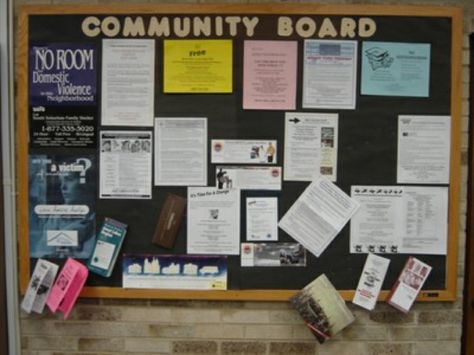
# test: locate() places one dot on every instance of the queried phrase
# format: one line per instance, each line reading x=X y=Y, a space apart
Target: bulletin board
x=367 y=147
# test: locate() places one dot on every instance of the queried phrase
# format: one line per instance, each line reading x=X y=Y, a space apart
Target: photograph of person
x=62 y=206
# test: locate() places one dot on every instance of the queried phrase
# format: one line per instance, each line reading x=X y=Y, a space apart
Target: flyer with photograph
x=197 y=66
x=270 y=75
x=128 y=79
x=395 y=69
x=311 y=144
x=243 y=151
x=424 y=148
x=400 y=219
x=184 y=272
x=62 y=74
x=248 y=177
x=213 y=221
x=262 y=218
x=370 y=282
x=125 y=164
x=329 y=74
x=181 y=151
x=272 y=254
x=409 y=283
x=322 y=309
x=62 y=193
x=318 y=215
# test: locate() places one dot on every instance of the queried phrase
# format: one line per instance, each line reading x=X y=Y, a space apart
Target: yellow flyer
x=197 y=66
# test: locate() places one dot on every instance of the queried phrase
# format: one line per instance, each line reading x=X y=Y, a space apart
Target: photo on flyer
x=62 y=205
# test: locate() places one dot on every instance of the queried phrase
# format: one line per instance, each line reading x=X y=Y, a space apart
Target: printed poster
x=270 y=75
x=181 y=151
x=395 y=69
x=329 y=74
x=248 y=177
x=198 y=66
x=183 y=272
x=311 y=144
x=63 y=74
x=318 y=215
x=424 y=147
x=400 y=219
x=272 y=255
x=128 y=79
x=63 y=95
x=62 y=193
x=213 y=225
x=262 y=218
x=126 y=164
x=243 y=151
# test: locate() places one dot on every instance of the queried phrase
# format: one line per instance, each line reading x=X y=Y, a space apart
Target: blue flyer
x=62 y=191
x=395 y=69
x=63 y=74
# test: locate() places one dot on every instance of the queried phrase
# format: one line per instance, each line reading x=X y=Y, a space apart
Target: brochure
x=39 y=286
x=109 y=242
x=322 y=308
x=409 y=284
x=67 y=287
x=371 y=281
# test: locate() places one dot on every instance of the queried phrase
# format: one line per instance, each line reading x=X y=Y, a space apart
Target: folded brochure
x=322 y=308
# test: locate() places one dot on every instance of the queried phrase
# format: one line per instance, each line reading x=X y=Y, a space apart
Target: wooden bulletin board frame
x=454 y=14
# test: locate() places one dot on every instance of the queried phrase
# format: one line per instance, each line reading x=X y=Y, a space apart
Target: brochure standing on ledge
x=109 y=242
x=322 y=308
x=409 y=284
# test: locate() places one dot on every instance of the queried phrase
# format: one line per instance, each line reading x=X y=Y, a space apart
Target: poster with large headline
x=62 y=190
x=63 y=106
x=63 y=74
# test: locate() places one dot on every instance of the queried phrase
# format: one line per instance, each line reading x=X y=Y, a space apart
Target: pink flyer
x=270 y=75
x=67 y=287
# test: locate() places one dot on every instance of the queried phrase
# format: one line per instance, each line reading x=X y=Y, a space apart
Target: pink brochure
x=270 y=75
x=67 y=287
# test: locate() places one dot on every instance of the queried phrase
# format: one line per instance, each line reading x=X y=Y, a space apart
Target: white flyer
x=370 y=282
x=329 y=74
x=310 y=146
x=400 y=219
x=213 y=221
x=125 y=164
x=423 y=149
x=39 y=286
x=318 y=215
x=243 y=151
x=409 y=284
x=181 y=151
x=128 y=77
x=427 y=220
x=380 y=221
x=248 y=177
x=262 y=218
